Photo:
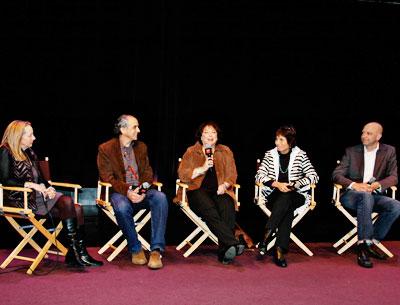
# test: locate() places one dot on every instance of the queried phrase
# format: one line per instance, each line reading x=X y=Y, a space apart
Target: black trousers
x=282 y=215
x=218 y=211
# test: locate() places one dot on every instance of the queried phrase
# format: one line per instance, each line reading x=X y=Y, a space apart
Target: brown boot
x=155 y=260
x=139 y=258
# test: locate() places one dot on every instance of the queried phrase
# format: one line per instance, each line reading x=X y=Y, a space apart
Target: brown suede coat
x=111 y=165
x=224 y=164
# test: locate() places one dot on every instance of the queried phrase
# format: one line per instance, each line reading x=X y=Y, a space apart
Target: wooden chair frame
x=349 y=239
x=141 y=218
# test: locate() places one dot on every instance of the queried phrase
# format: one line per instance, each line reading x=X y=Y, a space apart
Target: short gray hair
x=121 y=122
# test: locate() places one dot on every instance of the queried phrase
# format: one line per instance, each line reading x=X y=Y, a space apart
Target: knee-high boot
x=83 y=253
x=72 y=259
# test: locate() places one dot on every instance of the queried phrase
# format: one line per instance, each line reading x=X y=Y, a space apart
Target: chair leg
x=300 y=244
x=196 y=245
x=385 y=250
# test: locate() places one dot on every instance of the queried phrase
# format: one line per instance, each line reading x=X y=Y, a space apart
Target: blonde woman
x=19 y=167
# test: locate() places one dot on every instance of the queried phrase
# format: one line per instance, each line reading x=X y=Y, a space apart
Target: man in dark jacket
x=366 y=171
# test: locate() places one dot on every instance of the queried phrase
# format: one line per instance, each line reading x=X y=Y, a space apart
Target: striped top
x=300 y=171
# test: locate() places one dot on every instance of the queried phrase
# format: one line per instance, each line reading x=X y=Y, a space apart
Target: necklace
x=283 y=171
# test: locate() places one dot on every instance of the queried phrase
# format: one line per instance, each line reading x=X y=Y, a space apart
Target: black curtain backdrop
x=71 y=67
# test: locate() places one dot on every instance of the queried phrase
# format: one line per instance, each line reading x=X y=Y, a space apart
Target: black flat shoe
x=363 y=257
x=279 y=258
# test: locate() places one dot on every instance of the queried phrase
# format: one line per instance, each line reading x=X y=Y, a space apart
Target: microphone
x=208 y=152
x=144 y=188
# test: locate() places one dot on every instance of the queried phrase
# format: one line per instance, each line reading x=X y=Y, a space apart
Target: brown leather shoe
x=155 y=260
x=139 y=258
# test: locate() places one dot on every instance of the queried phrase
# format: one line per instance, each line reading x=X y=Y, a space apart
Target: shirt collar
x=372 y=151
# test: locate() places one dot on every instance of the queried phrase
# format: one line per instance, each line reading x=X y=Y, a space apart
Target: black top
x=283 y=169
x=210 y=182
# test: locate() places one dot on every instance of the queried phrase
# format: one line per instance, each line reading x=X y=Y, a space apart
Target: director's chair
x=299 y=213
x=140 y=219
x=201 y=226
x=15 y=217
x=351 y=237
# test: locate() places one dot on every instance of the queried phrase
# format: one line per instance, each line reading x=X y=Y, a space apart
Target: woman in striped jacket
x=286 y=173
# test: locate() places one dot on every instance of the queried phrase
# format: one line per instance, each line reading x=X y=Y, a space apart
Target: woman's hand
x=50 y=192
x=222 y=188
x=35 y=186
x=284 y=187
x=202 y=169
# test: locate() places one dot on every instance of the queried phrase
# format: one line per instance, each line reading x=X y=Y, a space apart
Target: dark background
x=327 y=67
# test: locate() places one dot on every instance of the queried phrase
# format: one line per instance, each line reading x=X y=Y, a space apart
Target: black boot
x=279 y=258
x=72 y=259
x=83 y=253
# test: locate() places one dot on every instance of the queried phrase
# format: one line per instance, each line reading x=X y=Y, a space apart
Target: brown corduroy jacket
x=111 y=165
x=224 y=164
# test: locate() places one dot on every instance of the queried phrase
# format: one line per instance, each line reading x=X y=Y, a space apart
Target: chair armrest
x=158 y=185
x=336 y=194
x=106 y=184
x=313 y=203
x=68 y=185
x=394 y=189
x=64 y=184
x=184 y=187
x=15 y=189
x=338 y=186
x=236 y=188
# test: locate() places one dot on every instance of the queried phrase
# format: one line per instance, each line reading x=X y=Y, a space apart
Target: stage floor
x=325 y=278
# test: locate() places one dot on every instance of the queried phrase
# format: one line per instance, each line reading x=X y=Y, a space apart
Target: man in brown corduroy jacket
x=124 y=163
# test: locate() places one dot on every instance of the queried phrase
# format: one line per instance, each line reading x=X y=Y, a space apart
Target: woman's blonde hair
x=12 y=138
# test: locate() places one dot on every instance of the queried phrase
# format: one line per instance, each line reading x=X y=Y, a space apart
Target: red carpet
x=326 y=278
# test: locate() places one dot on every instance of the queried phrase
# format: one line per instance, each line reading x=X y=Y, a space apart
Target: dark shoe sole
x=365 y=265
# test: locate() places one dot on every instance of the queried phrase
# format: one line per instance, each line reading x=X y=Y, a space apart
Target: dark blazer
x=111 y=165
x=351 y=167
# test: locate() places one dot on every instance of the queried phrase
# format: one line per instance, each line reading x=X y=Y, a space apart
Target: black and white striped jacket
x=301 y=171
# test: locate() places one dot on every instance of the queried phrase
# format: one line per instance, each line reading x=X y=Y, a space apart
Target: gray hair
x=121 y=122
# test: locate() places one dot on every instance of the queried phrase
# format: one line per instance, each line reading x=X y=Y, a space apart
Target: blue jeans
x=364 y=204
x=124 y=211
